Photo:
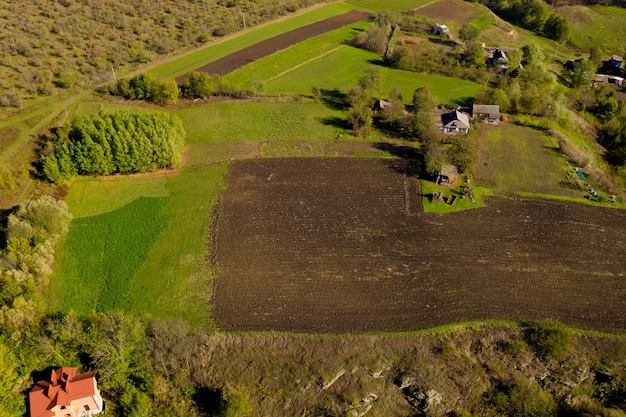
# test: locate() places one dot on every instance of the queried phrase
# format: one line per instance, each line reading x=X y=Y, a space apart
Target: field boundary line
x=305 y=62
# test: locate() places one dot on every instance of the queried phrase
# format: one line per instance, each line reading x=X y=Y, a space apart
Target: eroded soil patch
x=339 y=245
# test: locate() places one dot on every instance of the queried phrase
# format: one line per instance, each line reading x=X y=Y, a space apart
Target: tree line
x=146 y=86
x=117 y=142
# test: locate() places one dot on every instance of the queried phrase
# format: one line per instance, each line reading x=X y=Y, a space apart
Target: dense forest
x=49 y=46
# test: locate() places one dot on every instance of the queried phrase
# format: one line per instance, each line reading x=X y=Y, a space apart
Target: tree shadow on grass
x=333 y=99
x=337 y=122
x=409 y=160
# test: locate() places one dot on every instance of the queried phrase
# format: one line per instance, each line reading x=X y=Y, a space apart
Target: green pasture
x=225 y=47
x=522 y=159
x=390 y=5
x=597 y=26
x=341 y=69
x=142 y=254
x=234 y=121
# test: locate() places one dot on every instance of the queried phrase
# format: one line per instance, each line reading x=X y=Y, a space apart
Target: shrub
x=550 y=339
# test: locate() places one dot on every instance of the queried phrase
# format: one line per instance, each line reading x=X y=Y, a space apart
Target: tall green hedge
x=118 y=142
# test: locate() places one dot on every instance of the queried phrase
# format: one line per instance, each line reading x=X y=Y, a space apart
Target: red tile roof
x=63 y=387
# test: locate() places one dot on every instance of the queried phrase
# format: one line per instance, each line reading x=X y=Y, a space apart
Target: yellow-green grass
x=390 y=5
x=342 y=68
x=314 y=48
x=147 y=256
x=522 y=159
x=429 y=187
x=90 y=196
x=197 y=59
x=596 y=26
x=236 y=121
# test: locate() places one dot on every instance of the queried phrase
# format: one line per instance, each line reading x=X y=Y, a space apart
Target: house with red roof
x=66 y=394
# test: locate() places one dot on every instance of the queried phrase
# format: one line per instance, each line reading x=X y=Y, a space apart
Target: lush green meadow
x=342 y=68
x=601 y=26
x=219 y=50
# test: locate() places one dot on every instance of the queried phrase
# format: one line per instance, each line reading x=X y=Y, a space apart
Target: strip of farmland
x=245 y=56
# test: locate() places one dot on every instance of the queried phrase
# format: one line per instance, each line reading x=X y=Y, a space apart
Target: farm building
x=616 y=61
x=448 y=176
x=441 y=29
x=609 y=79
x=65 y=394
x=454 y=122
x=489 y=113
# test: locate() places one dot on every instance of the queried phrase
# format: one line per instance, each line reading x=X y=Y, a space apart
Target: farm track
x=267 y=47
x=332 y=245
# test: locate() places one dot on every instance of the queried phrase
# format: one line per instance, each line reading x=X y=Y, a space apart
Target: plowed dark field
x=264 y=48
x=340 y=245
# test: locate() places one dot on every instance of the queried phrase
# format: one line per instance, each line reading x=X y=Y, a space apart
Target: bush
x=550 y=339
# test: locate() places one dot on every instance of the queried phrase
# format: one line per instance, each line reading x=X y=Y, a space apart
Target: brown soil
x=450 y=12
x=264 y=48
x=340 y=245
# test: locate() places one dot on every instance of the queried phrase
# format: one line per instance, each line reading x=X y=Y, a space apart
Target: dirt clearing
x=340 y=245
x=450 y=12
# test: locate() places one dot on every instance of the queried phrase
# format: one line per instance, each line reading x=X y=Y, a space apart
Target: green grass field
x=260 y=121
x=522 y=159
x=137 y=253
x=597 y=26
x=98 y=272
x=341 y=69
x=197 y=59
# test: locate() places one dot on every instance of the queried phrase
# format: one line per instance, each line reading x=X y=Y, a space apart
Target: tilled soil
x=338 y=245
x=267 y=47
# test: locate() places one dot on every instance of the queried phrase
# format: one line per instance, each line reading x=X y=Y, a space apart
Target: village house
x=448 y=176
x=454 y=122
x=488 y=113
x=609 y=79
x=66 y=394
x=441 y=29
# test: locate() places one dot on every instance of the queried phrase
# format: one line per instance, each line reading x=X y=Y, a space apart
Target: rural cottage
x=66 y=394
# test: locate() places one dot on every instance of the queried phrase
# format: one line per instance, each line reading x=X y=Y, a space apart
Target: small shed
x=489 y=113
x=441 y=29
x=448 y=176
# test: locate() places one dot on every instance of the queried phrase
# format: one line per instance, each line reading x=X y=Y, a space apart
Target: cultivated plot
x=339 y=245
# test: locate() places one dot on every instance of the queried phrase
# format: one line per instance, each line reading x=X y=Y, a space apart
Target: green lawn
x=197 y=59
x=429 y=187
